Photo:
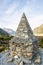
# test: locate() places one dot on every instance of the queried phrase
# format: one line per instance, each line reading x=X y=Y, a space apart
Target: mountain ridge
x=3 y=32
x=38 y=30
x=10 y=31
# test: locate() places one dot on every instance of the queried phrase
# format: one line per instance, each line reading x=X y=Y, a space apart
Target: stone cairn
x=24 y=46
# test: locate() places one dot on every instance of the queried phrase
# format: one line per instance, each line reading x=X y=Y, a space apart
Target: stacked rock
x=24 y=45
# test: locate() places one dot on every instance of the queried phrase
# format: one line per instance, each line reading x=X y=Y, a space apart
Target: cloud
x=12 y=10
x=9 y=11
x=36 y=20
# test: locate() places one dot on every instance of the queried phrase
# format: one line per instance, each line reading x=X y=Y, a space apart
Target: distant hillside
x=38 y=30
x=2 y=32
x=10 y=31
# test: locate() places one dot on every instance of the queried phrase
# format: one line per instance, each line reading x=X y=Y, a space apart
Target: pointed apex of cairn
x=23 y=16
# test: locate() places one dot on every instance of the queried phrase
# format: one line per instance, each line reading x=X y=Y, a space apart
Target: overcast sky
x=11 y=12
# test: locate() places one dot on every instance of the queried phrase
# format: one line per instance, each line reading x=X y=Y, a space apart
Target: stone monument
x=24 y=45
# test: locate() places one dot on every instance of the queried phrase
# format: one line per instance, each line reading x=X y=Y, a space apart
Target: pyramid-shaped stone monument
x=24 y=45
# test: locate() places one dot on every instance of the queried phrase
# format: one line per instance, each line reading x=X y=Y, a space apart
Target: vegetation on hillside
x=41 y=43
x=2 y=48
x=4 y=42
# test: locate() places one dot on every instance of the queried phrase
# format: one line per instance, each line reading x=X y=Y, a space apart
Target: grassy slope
x=4 y=42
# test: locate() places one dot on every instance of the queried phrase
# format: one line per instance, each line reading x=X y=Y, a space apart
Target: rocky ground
x=4 y=58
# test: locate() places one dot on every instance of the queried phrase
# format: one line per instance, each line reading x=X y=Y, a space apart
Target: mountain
x=10 y=31
x=2 y=32
x=38 y=30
